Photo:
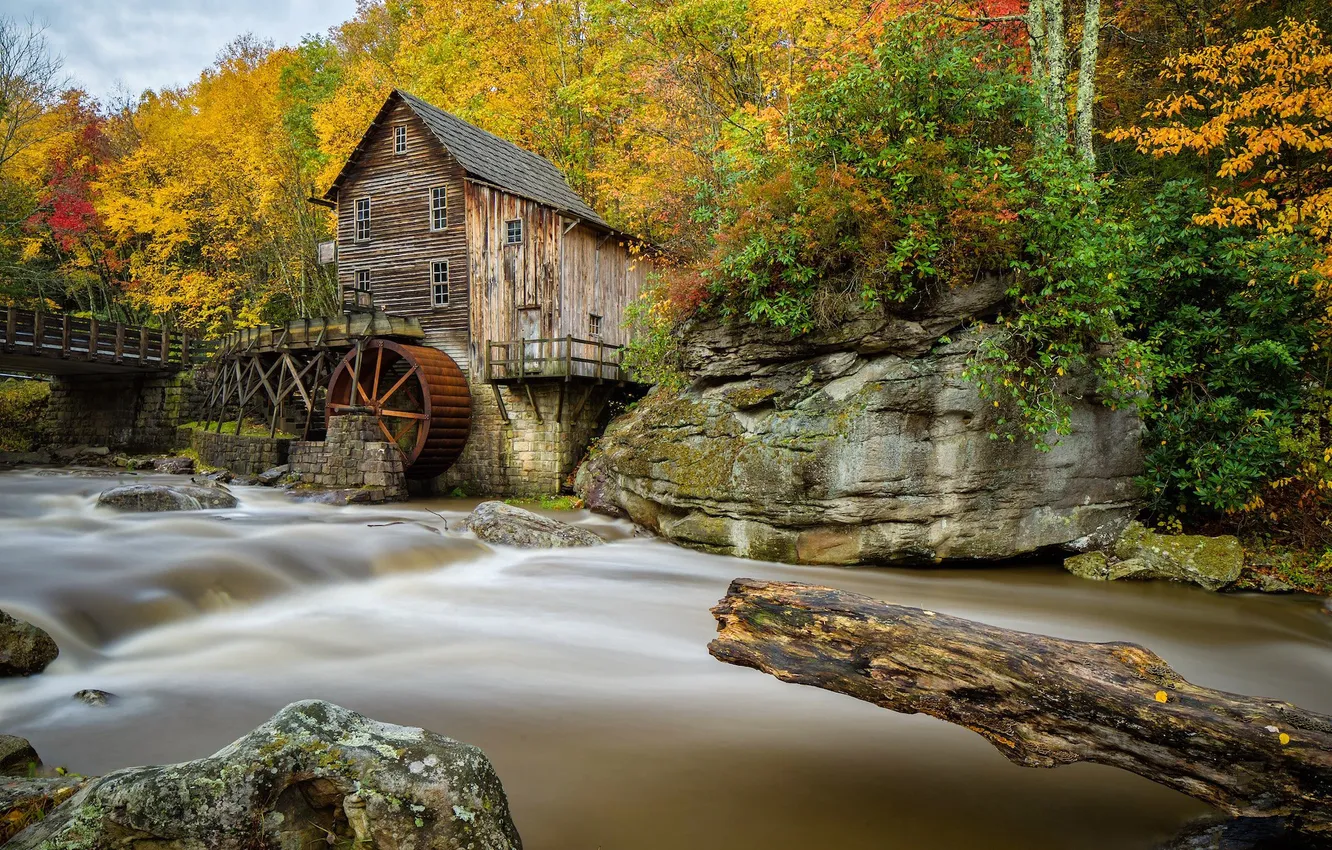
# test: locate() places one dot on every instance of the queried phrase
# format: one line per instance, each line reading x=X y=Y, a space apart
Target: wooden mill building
x=507 y=272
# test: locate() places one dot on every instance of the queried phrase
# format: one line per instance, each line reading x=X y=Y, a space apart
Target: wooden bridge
x=60 y=344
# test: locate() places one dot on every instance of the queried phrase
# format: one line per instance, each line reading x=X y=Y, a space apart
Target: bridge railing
x=566 y=358
x=73 y=338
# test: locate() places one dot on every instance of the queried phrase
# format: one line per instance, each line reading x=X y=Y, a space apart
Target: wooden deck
x=565 y=359
x=60 y=344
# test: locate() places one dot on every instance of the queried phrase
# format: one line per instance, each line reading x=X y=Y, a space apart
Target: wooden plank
x=64 y=336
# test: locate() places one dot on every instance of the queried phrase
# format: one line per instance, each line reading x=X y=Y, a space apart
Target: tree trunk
x=1086 y=98
x=1041 y=701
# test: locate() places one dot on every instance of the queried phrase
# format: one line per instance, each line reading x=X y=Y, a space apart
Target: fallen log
x=1041 y=701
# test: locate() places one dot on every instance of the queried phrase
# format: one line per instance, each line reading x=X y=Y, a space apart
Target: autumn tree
x=30 y=84
x=1258 y=113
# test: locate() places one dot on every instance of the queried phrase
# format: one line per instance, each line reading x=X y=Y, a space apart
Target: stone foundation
x=526 y=456
x=134 y=414
x=353 y=456
x=241 y=455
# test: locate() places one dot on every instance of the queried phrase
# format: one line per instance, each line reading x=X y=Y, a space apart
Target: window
x=594 y=324
x=439 y=283
x=400 y=139
x=513 y=231
x=362 y=295
x=439 y=208
x=362 y=219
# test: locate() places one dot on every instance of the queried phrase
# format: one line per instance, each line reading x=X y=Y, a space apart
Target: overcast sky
x=142 y=44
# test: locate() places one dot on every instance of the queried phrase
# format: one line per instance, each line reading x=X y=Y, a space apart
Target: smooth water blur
x=583 y=673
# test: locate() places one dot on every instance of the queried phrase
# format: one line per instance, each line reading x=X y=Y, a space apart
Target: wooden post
x=165 y=356
x=93 y=330
x=568 y=360
x=184 y=348
x=120 y=342
x=64 y=336
x=11 y=328
x=143 y=346
x=38 y=331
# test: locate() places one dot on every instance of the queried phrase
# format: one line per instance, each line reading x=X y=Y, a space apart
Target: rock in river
x=1210 y=562
x=315 y=775
x=150 y=498
x=24 y=648
x=17 y=757
x=496 y=522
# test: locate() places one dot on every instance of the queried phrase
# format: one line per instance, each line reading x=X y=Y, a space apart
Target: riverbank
x=583 y=674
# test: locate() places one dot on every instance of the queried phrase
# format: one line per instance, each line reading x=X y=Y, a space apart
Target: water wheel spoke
x=386 y=396
x=404 y=414
x=387 y=433
x=407 y=425
x=379 y=362
x=361 y=391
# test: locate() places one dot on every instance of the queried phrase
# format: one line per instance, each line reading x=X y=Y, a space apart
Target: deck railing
x=566 y=357
x=71 y=338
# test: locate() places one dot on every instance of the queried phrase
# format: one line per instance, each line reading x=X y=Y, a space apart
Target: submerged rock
x=24 y=648
x=1243 y=834
x=95 y=698
x=152 y=498
x=496 y=522
x=217 y=476
x=863 y=444
x=315 y=775
x=17 y=757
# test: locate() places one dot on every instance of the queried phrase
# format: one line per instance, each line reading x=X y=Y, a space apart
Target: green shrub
x=22 y=405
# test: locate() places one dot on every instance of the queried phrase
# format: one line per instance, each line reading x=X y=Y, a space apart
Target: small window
x=439 y=283
x=400 y=139
x=594 y=324
x=362 y=219
x=513 y=231
x=439 y=208
x=363 y=281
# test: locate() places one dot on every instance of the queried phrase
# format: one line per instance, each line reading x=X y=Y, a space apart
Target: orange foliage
x=1259 y=111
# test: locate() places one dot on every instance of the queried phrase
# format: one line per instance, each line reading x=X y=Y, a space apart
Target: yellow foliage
x=1261 y=109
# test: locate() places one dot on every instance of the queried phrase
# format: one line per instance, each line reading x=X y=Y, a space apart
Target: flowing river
x=582 y=673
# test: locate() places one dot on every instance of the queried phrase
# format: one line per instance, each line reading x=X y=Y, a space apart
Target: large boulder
x=860 y=445
x=151 y=498
x=315 y=775
x=24 y=648
x=496 y=522
x=270 y=477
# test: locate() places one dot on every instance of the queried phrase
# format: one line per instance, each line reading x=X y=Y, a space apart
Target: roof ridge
x=530 y=174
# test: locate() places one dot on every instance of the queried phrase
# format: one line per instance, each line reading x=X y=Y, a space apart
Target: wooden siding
x=402 y=246
x=547 y=285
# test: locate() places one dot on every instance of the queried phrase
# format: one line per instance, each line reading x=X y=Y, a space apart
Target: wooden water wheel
x=418 y=394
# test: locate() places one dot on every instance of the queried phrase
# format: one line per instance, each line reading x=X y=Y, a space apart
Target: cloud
x=133 y=45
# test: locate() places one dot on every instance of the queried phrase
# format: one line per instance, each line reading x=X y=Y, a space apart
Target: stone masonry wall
x=137 y=414
x=525 y=457
x=241 y=455
x=353 y=456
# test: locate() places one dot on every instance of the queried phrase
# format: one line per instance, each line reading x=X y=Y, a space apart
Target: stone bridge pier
x=130 y=413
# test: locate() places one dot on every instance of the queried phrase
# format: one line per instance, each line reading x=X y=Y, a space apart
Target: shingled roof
x=489 y=158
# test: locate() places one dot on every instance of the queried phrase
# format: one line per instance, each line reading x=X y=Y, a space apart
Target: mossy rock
x=1210 y=562
x=315 y=775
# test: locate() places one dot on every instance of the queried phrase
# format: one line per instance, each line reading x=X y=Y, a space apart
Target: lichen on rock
x=316 y=774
